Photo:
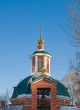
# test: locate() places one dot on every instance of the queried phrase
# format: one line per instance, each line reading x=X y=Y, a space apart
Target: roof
x=24 y=87
x=69 y=108
x=37 y=52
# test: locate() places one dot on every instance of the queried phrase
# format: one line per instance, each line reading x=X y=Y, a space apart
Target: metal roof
x=24 y=87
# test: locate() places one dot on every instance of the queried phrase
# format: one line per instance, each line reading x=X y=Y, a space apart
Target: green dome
x=24 y=87
x=44 y=52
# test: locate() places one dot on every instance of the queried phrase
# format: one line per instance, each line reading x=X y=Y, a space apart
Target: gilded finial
x=40 y=42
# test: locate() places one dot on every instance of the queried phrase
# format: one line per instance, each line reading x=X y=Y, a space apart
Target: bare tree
x=72 y=30
x=72 y=26
x=5 y=98
x=72 y=79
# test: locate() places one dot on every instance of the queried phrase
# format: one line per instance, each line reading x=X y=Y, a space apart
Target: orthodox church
x=40 y=91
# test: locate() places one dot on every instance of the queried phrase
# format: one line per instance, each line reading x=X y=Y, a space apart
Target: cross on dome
x=40 y=33
x=40 y=41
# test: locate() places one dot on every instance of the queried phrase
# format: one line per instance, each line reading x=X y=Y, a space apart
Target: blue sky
x=20 y=21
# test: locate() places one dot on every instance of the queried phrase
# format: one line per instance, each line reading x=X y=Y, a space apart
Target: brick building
x=40 y=91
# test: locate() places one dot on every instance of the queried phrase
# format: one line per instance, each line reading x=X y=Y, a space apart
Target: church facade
x=40 y=91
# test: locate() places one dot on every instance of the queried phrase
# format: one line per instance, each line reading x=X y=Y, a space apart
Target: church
x=40 y=91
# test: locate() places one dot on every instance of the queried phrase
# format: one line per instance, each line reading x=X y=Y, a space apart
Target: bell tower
x=41 y=59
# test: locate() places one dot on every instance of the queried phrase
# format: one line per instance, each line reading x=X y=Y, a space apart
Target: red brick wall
x=21 y=101
x=27 y=107
x=63 y=101
x=44 y=84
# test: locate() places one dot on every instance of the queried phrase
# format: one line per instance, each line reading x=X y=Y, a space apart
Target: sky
x=20 y=22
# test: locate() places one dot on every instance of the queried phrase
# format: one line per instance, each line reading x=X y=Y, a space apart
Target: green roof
x=24 y=87
x=44 y=52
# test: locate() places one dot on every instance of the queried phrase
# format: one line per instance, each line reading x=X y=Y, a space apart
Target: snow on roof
x=63 y=97
x=24 y=96
x=12 y=107
x=69 y=108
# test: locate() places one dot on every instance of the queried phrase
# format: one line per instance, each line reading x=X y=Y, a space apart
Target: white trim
x=42 y=54
x=37 y=81
x=49 y=64
x=48 y=74
x=42 y=79
x=45 y=62
x=40 y=49
x=36 y=64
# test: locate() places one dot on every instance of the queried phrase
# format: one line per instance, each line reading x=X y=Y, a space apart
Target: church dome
x=24 y=87
x=40 y=52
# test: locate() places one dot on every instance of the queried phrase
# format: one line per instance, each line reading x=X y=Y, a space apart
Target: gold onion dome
x=41 y=42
